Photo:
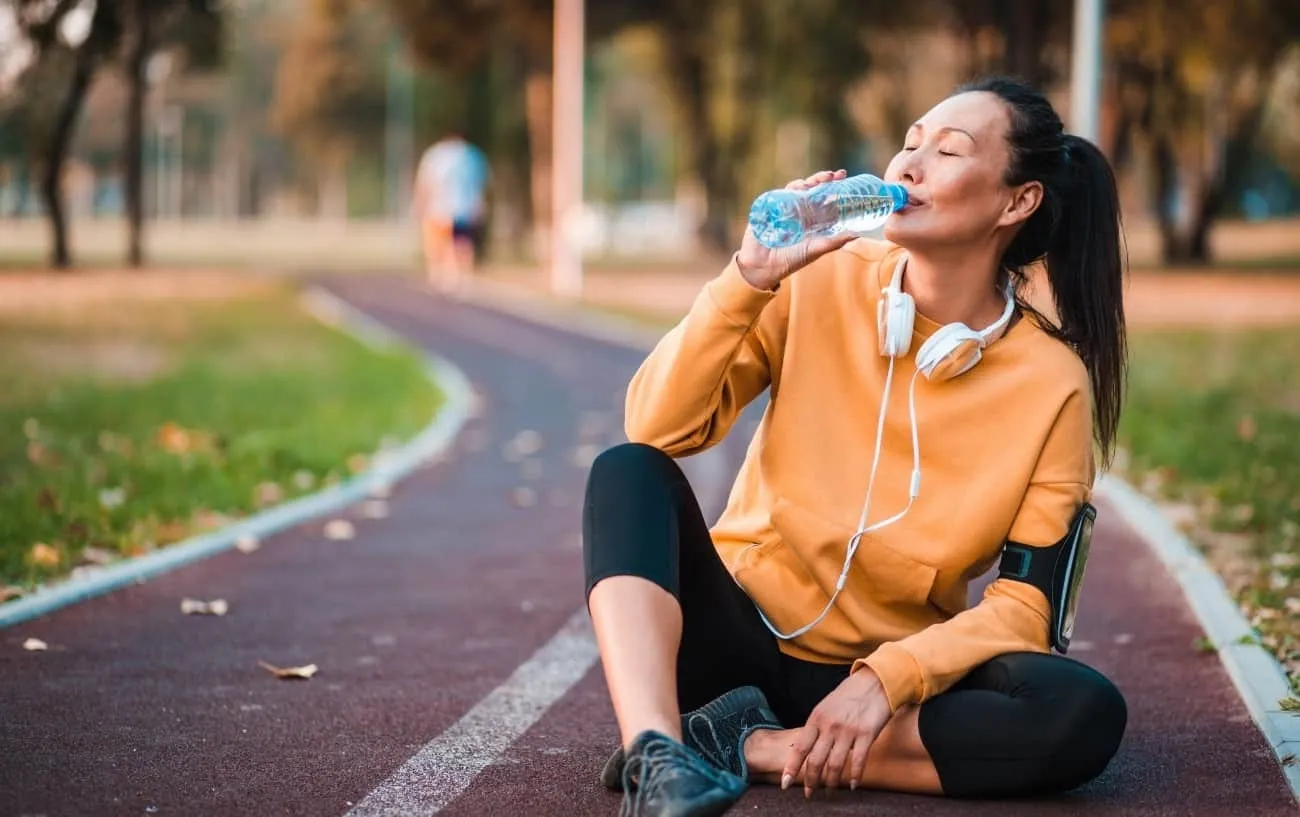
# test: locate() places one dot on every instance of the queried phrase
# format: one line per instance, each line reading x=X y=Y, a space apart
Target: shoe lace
x=659 y=763
x=705 y=735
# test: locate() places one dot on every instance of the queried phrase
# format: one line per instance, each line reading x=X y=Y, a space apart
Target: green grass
x=1212 y=423
x=132 y=426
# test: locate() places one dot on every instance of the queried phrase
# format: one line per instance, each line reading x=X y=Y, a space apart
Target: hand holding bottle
x=765 y=267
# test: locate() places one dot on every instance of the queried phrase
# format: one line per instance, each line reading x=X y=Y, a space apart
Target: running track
x=457 y=674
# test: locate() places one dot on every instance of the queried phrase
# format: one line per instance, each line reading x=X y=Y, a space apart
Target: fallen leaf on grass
x=11 y=592
x=42 y=555
x=1290 y=704
x=1246 y=428
x=97 y=556
x=48 y=500
x=268 y=493
x=247 y=543
x=339 y=529
x=289 y=673
x=1292 y=605
x=358 y=463
x=110 y=498
x=35 y=645
x=31 y=427
x=216 y=607
x=303 y=480
x=1243 y=513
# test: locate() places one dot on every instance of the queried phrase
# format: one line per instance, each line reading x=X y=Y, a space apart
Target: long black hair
x=1076 y=233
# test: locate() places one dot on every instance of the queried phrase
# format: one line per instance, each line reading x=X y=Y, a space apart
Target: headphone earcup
x=951 y=351
x=895 y=318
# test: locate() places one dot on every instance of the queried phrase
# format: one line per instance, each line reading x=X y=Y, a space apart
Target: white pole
x=566 y=157
x=1086 y=68
x=177 y=170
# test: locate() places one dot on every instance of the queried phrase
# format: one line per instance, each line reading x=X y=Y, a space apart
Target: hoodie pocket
x=882 y=579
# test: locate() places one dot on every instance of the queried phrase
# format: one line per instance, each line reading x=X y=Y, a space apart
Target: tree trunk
x=60 y=141
x=24 y=177
x=1237 y=151
x=137 y=59
x=1172 y=248
x=1027 y=24
x=538 y=104
x=688 y=71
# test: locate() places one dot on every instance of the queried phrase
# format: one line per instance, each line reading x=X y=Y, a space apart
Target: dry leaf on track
x=374 y=509
x=216 y=607
x=523 y=497
x=290 y=673
x=247 y=543
x=35 y=645
x=340 y=529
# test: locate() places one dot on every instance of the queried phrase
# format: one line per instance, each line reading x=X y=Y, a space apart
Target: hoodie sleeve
x=1012 y=616
x=687 y=394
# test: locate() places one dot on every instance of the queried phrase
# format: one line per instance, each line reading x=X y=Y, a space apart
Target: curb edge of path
x=1259 y=679
x=388 y=467
x=1258 y=676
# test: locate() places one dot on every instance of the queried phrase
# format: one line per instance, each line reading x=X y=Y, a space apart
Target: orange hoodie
x=1006 y=453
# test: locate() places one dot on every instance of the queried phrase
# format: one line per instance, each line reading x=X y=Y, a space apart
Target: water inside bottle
x=781 y=218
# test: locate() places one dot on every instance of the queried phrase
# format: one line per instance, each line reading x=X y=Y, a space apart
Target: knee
x=1087 y=730
x=630 y=464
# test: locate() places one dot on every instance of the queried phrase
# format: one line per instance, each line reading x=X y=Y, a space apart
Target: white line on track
x=446 y=766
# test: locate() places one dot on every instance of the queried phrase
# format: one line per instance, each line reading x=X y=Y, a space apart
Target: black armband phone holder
x=1057 y=570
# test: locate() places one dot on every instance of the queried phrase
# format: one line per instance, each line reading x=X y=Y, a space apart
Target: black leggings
x=1020 y=724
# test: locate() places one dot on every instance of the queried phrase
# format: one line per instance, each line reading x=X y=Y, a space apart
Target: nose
x=910 y=170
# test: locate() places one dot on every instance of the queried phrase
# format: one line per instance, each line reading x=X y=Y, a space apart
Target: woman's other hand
x=839 y=733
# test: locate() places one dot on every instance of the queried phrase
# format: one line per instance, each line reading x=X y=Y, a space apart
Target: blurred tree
x=729 y=61
x=52 y=90
x=1191 y=85
x=330 y=95
x=1014 y=37
x=189 y=32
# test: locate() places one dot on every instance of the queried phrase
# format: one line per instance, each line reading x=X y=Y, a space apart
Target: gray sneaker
x=664 y=778
x=716 y=730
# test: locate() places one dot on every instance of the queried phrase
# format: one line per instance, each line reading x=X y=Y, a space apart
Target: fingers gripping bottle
x=781 y=218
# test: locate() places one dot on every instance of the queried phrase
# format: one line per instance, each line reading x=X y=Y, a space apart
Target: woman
x=794 y=661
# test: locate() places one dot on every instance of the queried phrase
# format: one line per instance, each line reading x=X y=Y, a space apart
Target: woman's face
x=953 y=163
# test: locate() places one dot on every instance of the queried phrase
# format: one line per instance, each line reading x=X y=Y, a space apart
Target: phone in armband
x=1056 y=570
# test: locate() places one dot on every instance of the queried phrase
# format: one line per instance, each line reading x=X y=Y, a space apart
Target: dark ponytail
x=1076 y=232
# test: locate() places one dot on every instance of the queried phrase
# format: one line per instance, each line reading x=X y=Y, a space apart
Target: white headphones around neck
x=951 y=351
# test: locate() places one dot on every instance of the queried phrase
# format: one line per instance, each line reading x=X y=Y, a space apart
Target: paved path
x=421 y=624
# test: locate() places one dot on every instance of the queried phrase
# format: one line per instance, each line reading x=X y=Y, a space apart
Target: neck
x=955 y=287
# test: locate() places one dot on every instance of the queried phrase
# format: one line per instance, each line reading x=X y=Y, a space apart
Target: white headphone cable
x=863 y=528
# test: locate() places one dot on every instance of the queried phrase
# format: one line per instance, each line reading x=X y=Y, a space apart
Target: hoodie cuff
x=899 y=674
x=736 y=298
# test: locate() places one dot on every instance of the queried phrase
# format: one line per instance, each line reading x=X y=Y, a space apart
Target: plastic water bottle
x=857 y=204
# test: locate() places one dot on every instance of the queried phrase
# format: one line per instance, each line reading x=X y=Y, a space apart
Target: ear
x=1024 y=201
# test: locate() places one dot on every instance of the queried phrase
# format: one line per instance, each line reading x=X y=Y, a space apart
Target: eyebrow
x=966 y=133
